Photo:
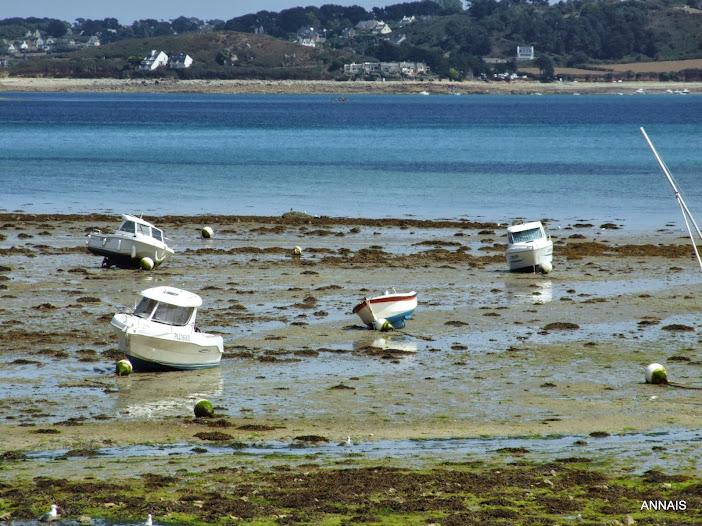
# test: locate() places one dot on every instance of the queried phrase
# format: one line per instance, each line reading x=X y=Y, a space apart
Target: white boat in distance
x=161 y=333
x=529 y=248
x=395 y=307
x=134 y=240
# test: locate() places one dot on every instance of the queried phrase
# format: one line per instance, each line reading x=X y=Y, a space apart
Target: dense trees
x=452 y=41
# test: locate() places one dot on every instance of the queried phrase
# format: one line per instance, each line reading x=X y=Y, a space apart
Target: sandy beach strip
x=357 y=87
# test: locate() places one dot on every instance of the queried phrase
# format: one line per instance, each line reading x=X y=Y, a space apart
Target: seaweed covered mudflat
x=507 y=398
x=510 y=492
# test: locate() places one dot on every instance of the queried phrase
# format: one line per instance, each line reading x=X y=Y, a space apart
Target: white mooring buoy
x=655 y=374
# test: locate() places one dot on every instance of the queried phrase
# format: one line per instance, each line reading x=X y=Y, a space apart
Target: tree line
x=451 y=38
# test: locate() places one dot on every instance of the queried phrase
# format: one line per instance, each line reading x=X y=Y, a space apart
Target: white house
x=307 y=42
x=154 y=60
x=180 y=61
x=525 y=52
x=381 y=28
x=404 y=68
x=406 y=20
x=93 y=42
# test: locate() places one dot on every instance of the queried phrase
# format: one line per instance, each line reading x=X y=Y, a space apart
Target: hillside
x=222 y=54
x=573 y=39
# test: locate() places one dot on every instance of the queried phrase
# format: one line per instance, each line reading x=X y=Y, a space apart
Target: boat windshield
x=172 y=314
x=128 y=226
x=145 y=307
x=157 y=234
x=526 y=235
x=143 y=230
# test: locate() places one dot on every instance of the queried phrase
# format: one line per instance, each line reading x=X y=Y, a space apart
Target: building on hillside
x=397 y=39
x=381 y=29
x=408 y=69
x=406 y=20
x=350 y=32
x=366 y=25
x=154 y=60
x=180 y=61
x=525 y=52
x=310 y=37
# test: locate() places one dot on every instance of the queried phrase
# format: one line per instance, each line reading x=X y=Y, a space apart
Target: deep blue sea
x=479 y=157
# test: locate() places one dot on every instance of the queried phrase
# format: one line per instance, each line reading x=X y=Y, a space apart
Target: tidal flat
x=507 y=399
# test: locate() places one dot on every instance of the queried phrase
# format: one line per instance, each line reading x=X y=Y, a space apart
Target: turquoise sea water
x=481 y=157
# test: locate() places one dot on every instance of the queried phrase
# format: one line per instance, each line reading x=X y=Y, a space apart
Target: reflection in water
x=520 y=291
x=147 y=395
x=391 y=342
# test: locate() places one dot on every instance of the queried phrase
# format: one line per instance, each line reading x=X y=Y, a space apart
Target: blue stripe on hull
x=398 y=321
x=146 y=366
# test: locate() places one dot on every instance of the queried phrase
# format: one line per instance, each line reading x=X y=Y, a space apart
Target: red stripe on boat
x=383 y=299
x=359 y=307
x=396 y=298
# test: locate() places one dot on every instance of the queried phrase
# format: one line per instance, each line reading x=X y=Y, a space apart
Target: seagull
x=346 y=443
x=149 y=522
x=51 y=516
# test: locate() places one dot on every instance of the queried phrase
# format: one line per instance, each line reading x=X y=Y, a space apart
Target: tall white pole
x=683 y=207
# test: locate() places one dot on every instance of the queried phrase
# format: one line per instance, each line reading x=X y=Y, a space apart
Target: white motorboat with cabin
x=160 y=334
x=394 y=307
x=529 y=248
x=134 y=242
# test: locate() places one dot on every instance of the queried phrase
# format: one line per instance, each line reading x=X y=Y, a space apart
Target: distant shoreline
x=326 y=87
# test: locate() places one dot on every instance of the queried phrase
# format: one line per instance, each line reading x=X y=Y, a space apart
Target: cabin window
x=157 y=234
x=172 y=314
x=526 y=235
x=144 y=230
x=145 y=307
x=128 y=226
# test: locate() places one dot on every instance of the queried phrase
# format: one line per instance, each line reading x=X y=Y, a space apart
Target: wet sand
x=482 y=355
x=508 y=398
x=358 y=87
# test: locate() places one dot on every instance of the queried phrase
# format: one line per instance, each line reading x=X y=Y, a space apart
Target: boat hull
x=530 y=258
x=395 y=308
x=125 y=251
x=164 y=348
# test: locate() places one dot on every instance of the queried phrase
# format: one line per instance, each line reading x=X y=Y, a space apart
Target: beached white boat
x=161 y=333
x=529 y=248
x=134 y=240
x=394 y=307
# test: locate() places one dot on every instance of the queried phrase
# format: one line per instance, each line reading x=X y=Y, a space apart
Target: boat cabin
x=134 y=225
x=525 y=232
x=169 y=306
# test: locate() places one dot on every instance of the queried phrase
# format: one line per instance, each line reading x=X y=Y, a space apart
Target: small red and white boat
x=393 y=307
